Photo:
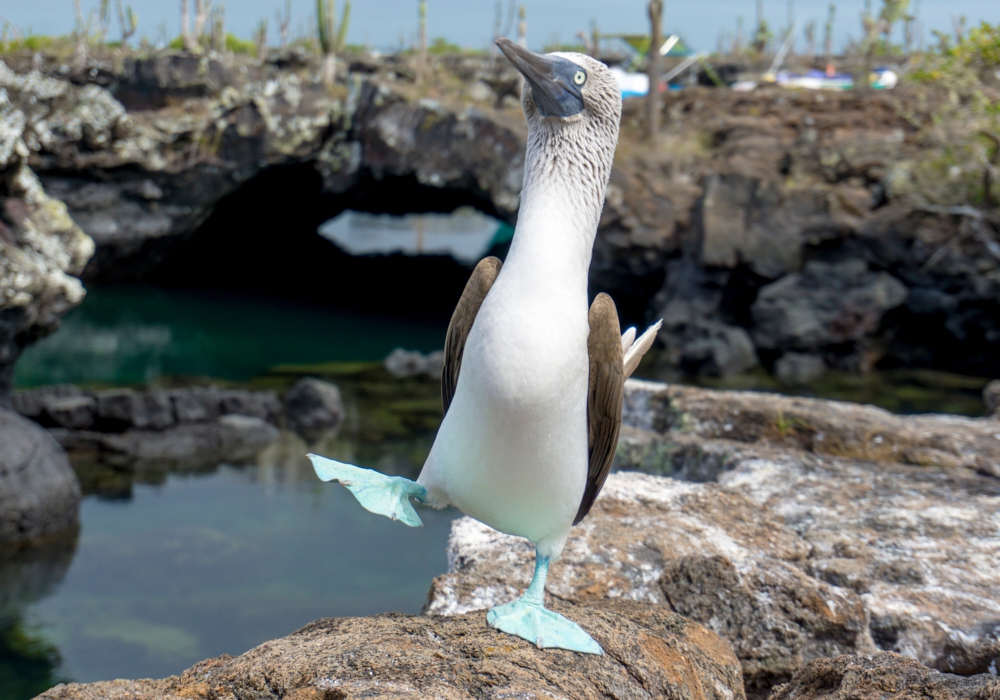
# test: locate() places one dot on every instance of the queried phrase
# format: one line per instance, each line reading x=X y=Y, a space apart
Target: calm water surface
x=135 y=334
x=170 y=569
x=218 y=563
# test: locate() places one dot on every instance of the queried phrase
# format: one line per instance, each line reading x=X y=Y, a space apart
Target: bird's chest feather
x=529 y=351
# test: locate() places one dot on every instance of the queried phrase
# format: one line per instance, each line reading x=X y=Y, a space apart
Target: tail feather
x=634 y=351
x=628 y=337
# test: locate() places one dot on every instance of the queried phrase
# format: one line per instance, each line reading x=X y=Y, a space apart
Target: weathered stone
x=797 y=368
x=884 y=676
x=264 y=405
x=195 y=405
x=822 y=427
x=313 y=406
x=119 y=409
x=230 y=438
x=411 y=363
x=697 y=338
x=40 y=249
x=802 y=549
x=76 y=412
x=39 y=493
x=991 y=397
x=650 y=653
x=31 y=403
x=706 y=553
x=825 y=305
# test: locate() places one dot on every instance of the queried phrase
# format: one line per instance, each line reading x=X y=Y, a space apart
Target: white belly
x=512 y=450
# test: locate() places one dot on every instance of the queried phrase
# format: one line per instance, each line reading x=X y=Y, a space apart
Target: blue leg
x=528 y=619
x=385 y=495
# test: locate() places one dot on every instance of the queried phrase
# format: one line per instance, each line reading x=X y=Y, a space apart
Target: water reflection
x=134 y=334
x=205 y=564
x=29 y=662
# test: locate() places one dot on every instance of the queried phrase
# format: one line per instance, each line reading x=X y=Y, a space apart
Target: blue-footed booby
x=533 y=381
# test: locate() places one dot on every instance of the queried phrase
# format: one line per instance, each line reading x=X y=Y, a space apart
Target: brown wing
x=462 y=319
x=604 y=402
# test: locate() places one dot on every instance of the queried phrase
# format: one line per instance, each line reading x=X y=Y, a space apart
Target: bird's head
x=568 y=93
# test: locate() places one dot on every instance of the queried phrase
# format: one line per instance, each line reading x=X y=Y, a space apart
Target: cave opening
x=262 y=240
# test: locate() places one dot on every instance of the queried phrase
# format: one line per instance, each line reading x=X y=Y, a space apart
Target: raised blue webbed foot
x=543 y=628
x=528 y=619
x=377 y=493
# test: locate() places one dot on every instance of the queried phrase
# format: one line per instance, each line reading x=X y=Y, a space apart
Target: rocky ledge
x=885 y=676
x=185 y=427
x=650 y=653
x=819 y=529
x=796 y=231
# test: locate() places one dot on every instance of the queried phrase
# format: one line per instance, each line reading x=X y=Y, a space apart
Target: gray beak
x=554 y=85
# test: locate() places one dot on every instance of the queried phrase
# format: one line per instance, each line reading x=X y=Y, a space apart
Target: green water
x=170 y=568
x=139 y=334
x=213 y=564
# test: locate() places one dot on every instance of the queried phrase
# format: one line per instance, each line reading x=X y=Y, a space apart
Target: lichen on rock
x=649 y=652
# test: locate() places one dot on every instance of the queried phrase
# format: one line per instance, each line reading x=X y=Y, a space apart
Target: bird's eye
x=580 y=77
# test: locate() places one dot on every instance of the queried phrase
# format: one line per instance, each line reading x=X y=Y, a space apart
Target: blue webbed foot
x=543 y=628
x=377 y=493
x=528 y=619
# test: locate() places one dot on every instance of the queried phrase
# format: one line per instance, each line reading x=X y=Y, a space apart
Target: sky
x=385 y=24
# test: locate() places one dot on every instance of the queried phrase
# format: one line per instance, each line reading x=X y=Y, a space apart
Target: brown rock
x=884 y=676
x=794 y=554
x=649 y=653
x=822 y=427
x=703 y=551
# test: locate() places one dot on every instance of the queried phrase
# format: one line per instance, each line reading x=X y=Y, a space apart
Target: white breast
x=512 y=450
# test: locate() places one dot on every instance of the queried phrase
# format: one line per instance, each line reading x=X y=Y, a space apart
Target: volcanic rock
x=816 y=531
x=313 y=406
x=649 y=652
x=39 y=493
x=884 y=676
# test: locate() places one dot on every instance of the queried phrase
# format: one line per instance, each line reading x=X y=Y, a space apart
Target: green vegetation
x=27 y=663
x=441 y=46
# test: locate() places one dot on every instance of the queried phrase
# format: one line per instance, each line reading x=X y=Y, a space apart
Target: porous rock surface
x=883 y=676
x=650 y=652
x=184 y=427
x=789 y=549
x=762 y=223
x=39 y=493
x=41 y=248
x=313 y=406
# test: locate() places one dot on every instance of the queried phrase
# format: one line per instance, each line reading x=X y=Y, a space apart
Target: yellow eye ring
x=579 y=77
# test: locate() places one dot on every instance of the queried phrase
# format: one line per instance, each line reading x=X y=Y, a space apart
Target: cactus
x=202 y=10
x=283 y=20
x=331 y=37
x=129 y=21
x=260 y=40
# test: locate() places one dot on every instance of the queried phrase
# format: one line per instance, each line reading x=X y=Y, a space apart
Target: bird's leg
x=386 y=495
x=527 y=618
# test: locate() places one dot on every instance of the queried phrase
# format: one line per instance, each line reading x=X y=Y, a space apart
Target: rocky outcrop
x=791 y=549
x=185 y=428
x=763 y=223
x=825 y=428
x=165 y=166
x=884 y=676
x=39 y=493
x=991 y=397
x=313 y=406
x=41 y=248
x=649 y=653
